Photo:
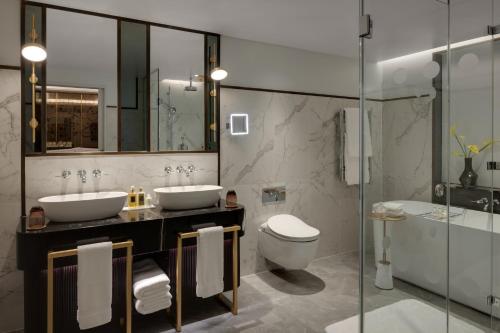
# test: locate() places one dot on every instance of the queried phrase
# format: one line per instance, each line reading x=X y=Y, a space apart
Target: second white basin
x=83 y=206
x=188 y=197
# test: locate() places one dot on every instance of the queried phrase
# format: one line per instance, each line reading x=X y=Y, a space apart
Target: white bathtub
x=419 y=253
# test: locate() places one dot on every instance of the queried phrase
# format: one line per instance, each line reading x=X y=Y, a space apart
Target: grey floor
x=302 y=301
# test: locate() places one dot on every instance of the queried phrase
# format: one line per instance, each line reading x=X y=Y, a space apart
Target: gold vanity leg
x=129 y=289
x=235 y=273
x=50 y=293
x=178 y=286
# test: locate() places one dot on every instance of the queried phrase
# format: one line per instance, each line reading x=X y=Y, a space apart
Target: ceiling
x=326 y=26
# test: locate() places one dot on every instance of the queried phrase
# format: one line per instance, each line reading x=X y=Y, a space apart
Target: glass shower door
x=404 y=254
x=429 y=74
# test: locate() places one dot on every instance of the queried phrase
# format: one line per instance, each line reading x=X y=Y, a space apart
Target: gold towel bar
x=73 y=252
x=178 y=287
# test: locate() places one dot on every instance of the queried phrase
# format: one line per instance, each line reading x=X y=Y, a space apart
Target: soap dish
x=128 y=209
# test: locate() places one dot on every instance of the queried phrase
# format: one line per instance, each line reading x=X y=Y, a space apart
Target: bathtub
x=418 y=252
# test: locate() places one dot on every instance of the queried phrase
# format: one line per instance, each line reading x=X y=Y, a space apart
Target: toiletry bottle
x=149 y=200
x=141 y=197
x=132 y=198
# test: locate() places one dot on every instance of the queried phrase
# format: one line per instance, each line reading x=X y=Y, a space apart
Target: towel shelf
x=178 y=285
x=73 y=252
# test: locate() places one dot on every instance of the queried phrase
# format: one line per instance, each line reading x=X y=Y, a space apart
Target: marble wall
x=407 y=149
x=11 y=285
x=292 y=143
x=119 y=172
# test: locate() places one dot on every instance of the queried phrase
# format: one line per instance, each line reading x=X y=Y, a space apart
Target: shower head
x=190 y=87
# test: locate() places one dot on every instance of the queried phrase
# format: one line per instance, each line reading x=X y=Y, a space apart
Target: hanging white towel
x=210 y=262
x=148 y=278
x=95 y=284
x=352 y=153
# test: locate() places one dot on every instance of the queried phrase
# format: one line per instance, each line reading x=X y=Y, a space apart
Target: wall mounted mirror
x=178 y=102
x=112 y=84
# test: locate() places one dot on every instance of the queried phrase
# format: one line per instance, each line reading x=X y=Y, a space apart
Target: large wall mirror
x=117 y=85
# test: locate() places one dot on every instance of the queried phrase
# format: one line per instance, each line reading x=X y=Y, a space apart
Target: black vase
x=468 y=178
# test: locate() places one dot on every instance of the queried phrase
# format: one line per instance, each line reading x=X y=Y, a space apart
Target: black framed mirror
x=119 y=85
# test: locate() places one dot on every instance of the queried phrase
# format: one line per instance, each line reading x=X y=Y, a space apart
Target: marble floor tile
x=304 y=301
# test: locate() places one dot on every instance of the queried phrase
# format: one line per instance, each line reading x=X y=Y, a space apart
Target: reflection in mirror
x=72 y=119
x=134 y=87
x=177 y=90
x=81 y=93
x=33 y=145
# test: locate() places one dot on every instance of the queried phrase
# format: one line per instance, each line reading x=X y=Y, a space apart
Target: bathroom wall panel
x=292 y=142
x=407 y=149
x=11 y=287
x=119 y=172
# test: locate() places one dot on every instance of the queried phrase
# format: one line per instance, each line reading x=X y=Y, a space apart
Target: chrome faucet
x=97 y=173
x=66 y=174
x=190 y=169
x=169 y=170
x=180 y=169
x=83 y=175
x=486 y=203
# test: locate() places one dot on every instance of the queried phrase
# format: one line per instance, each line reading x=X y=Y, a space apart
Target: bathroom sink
x=83 y=206
x=188 y=197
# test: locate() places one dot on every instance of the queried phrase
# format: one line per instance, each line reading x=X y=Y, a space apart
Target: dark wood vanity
x=154 y=233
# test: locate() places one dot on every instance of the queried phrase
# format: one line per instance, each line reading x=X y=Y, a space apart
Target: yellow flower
x=473 y=149
x=453 y=130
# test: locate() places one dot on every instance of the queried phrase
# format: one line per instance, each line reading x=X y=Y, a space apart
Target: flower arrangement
x=468 y=150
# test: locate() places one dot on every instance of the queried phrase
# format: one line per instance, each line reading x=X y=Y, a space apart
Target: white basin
x=83 y=206
x=188 y=197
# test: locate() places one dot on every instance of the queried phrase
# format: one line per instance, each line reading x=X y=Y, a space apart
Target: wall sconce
x=33 y=52
x=218 y=74
x=239 y=123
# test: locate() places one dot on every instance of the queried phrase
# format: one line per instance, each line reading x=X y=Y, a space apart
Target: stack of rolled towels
x=151 y=287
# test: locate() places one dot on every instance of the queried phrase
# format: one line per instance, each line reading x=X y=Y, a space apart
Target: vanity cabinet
x=154 y=233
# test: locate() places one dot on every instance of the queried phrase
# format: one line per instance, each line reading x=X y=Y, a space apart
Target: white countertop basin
x=188 y=197
x=83 y=206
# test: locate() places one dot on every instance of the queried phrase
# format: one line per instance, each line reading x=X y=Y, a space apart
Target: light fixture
x=239 y=123
x=33 y=52
x=218 y=74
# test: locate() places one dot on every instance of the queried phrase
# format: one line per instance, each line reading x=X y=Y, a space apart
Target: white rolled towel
x=153 y=292
x=148 y=278
x=153 y=304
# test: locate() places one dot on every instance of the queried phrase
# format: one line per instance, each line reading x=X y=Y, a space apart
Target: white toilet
x=288 y=241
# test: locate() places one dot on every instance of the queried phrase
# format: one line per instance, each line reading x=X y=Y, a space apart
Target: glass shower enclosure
x=429 y=203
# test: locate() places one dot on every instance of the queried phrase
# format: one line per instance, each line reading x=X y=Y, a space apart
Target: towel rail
x=178 y=286
x=73 y=252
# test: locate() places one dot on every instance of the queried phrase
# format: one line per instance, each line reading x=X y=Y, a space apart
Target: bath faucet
x=486 y=203
x=83 y=175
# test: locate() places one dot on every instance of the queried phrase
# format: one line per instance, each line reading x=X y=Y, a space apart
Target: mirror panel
x=81 y=83
x=177 y=60
x=113 y=84
x=133 y=87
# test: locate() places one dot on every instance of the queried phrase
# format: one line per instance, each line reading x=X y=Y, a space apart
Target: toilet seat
x=291 y=228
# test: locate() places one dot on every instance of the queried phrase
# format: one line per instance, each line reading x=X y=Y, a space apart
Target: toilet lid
x=290 y=227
